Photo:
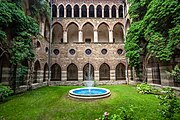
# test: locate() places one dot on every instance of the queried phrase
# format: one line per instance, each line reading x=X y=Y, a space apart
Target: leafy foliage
x=168 y=104
x=158 y=23
x=175 y=73
x=144 y=88
x=5 y=91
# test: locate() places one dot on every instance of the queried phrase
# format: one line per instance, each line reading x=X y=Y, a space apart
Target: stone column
x=95 y=36
x=102 y=12
x=80 y=36
x=42 y=28
x=72 y=12
x=87 y=12
x=117 y=13
x=39 y=76
x=5 y=75
x=80 y=76
x=112 y=75
x=95 y=12
x=65 y=12
x=65 y=36
x=149 y=75
x=96 y=75
x=64 y=76
x=57 y=12
x=110 y=15
x=80 y=12
x=110 y=36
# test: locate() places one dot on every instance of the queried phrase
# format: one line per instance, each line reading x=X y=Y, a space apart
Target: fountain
x=89 y=91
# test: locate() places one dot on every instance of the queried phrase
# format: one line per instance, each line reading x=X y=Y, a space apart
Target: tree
x=17 y=30
x=155 y=31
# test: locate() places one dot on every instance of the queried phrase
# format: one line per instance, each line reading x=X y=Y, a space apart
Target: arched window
x=72 y=72
x=45 y=75
x=72 y=33
x=55 y=72
x=61 y=11
x=54 y=11
x=103 y=33
x=118 y=35
x=120 y=72
x=99 y=11
x=37 y=68
x=104 y=72
x=57 y=33
x=76 y=11
x=106 y=11
x=113 y=11
x=91 y=11
x=88 y=33
x=120 y=11
x=84 y=11
x=88 y=72
x=4 y=67
x=68 y=11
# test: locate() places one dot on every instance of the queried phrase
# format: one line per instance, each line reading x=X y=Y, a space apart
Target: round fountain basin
x=89 y=93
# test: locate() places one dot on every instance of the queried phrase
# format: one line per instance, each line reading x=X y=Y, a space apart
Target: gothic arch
x=88 y=32
x=120 y=11
x=57 y=33
x=113 y=11
x=55 y=72
x=72 y=32
x=106 y=11
x=104 y=72
x=37 y=70
x=61 y=11
x=103 y=32
x=68 y=11
x=54 y=10
x=72 y=72
x=76 y=11
x=45 y=73
x=120 y=72
x=84 y=11
x=86 y=69
x=118 y=35
x=99 y=11
x=91 y=11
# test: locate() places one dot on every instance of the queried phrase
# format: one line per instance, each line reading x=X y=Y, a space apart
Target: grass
x=53 y=103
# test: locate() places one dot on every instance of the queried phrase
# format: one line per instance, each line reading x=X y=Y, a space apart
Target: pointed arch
x=45 y=73
x=72 y=72
x=104 y=72
x=72 y=32
x=91 y=11
x=106 y=11
x=37 y=68
x=54 y=10
x=120 y=11
x=55 y=72
x=120 y=72
x=57 y=33
x=103 y=32
x=68 y=11
x=118 y=35
x=76 y=11
x=61 y=11
x=84 y=11
x=88 y=32
x=88 y=67
x=99 y=11
x=113 y=11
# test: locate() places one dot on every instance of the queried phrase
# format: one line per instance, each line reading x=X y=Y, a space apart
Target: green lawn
x=53 y=103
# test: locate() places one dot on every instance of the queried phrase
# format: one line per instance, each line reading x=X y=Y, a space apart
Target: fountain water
x=89 y=92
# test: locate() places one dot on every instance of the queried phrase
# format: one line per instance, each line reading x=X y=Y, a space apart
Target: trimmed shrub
x=5 y=91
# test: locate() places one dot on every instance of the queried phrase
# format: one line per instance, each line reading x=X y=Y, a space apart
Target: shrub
x=168 y=104
x=5 y=91
x=124 y=114
x=144 y=88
